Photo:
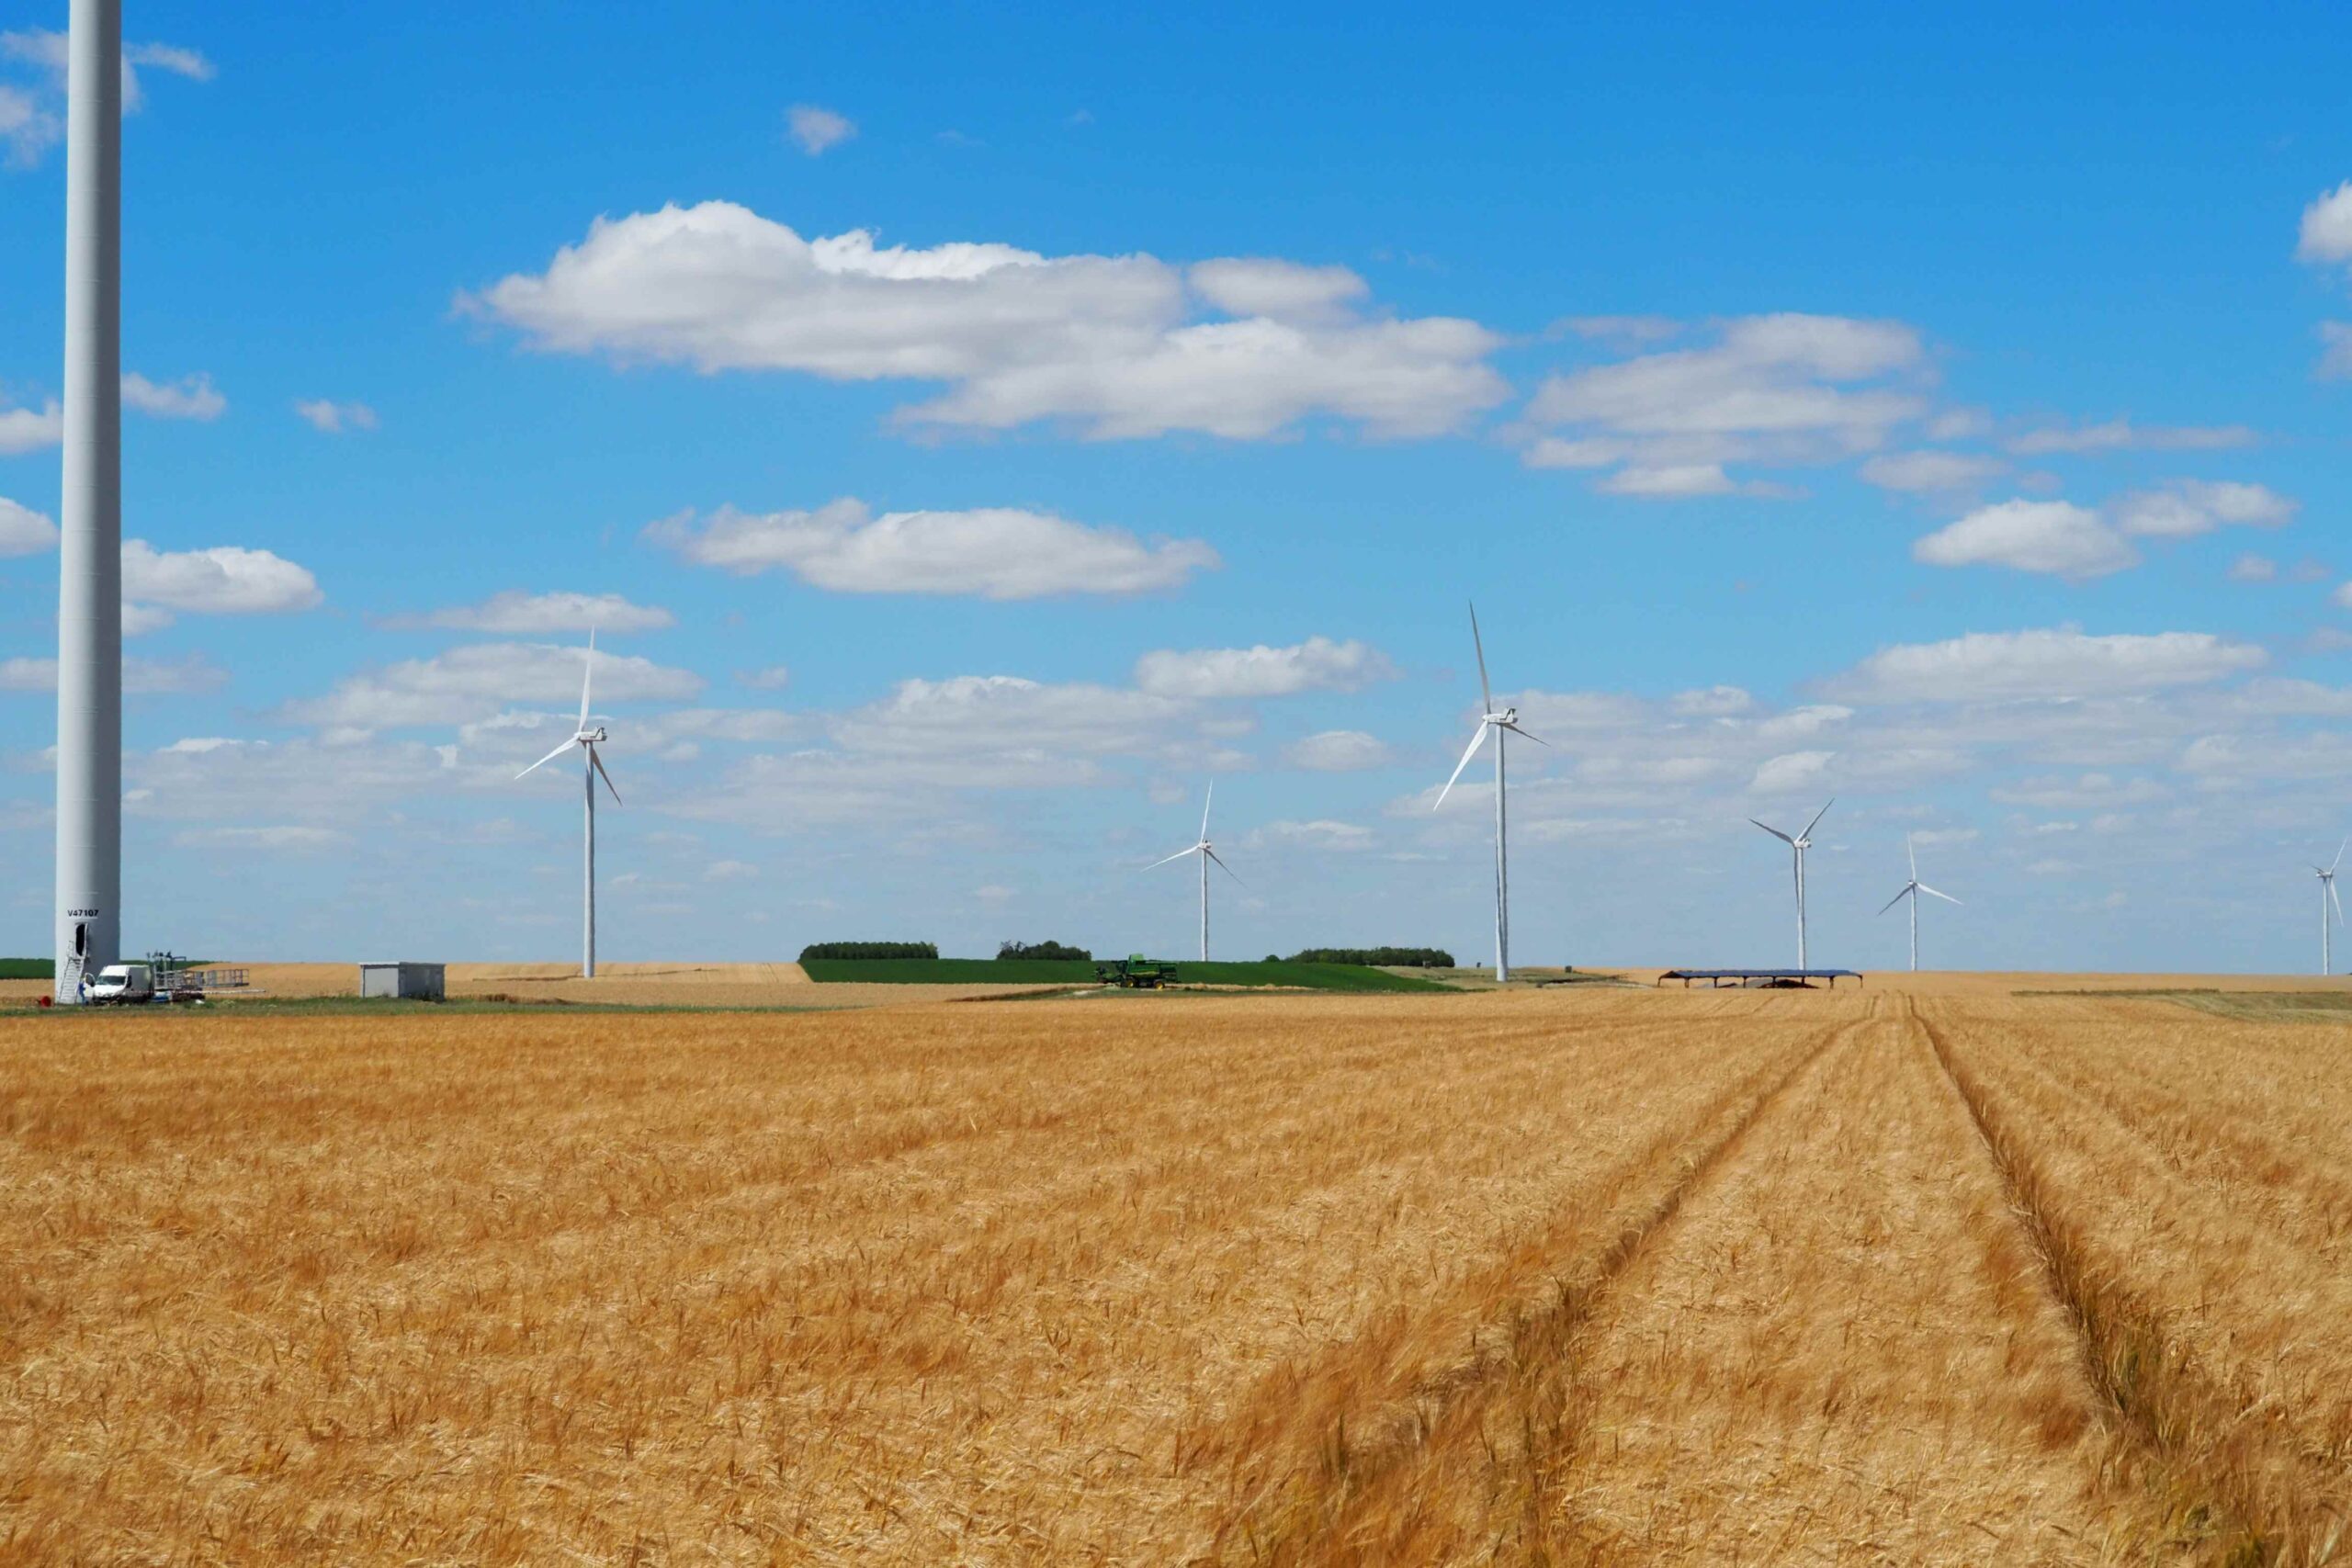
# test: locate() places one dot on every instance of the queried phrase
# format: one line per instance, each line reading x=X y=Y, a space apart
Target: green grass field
x=26 y=969
x=1057 y=971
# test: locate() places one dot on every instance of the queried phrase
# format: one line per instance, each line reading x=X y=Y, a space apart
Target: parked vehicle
x=120 y=984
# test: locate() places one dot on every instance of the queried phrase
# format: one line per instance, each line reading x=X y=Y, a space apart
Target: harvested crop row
x=2225 y=1338
x=2256 y=1109
x=989 y=1282
x=1839 y=1349
x=1374 y=1418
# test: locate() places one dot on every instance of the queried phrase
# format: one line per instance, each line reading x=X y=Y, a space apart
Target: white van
x=124 y=982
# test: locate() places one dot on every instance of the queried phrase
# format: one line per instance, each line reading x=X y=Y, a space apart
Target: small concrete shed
x=417 y=982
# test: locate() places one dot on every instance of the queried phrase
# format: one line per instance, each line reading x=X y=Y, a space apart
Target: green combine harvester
x=1134 y=972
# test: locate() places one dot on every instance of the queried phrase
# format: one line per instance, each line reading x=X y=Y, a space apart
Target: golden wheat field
x=1947 y=1276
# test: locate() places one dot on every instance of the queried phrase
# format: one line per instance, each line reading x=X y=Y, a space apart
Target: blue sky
x=1058 y=411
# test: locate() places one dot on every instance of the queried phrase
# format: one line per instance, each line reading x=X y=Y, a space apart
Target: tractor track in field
x=1296 y=1529
x=2158 y=1398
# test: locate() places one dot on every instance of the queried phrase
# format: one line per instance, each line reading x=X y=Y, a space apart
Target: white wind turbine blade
x=1179 y=854
x=1817 y=820
x=1477 y=738
x=1205 y=802
x=1932 y=893
x=1898 y=898
x=598 y=763
x=2334 y=899
x=1485 y=692
x=1537 y=739
x=546 y=760
x=1913 y=856
x=1775 y=832
x=2339 y=856
x=587 y=674
x=1221 y=865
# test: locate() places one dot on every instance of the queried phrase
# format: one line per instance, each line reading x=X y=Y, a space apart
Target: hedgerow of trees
x=1043 y=950
x=1380 y=957
x=869 y=950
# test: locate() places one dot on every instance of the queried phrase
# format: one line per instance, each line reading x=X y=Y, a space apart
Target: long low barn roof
x=1761 y=975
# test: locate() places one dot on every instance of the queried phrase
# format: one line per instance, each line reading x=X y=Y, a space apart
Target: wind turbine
x=1911 y=890
x=2326 y=898
x=1207 y=852
x=1798 y=846
x=591 y=769
x=1497 y=720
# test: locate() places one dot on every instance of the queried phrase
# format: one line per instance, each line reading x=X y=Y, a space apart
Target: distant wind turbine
x=1911 y=890
x=591 y=769
x=1798 y=846
x=2327 y=899
x=1497 y=720
x=1207 y=852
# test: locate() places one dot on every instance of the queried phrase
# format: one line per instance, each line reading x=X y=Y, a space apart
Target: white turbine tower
x=1797 y=846
x=88 y=933
x=1911 y=890
x=591 y=769
x=1496 y=720
x=2327 y=900
x=1207 y=852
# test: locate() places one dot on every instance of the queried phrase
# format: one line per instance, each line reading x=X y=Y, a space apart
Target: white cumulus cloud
x=2186 y=507
x=478 y=682
x=989 y=552
x=277 y=838
x=1929 y=470
x=2055 y=536
x=23 y=531
x=325 y=415
x=2061 y=662
x=191 y=397
x=1338 y=751
x=1316 y=664
x=2122 y=435
x=29 y=430
x=2327 y=231
x=1782 y=389
x=518 y=613
x=1120 y=346
x=224 y=581
x=815 y=128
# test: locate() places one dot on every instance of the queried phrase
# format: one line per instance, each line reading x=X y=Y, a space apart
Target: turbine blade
x=1485 y=692
x=1478 y=739
x=1775 y=832
x=1537 y=739
x=2339 y=856
x=1205 y=804
x=1221 y=865
x=1898 y=898
x=1816 y=819
x=598 y=763
x=1913 y=856
x=2337 y=902
x=1945 y=896
x=546 y=760
x=587 y=674
x=1179 y=854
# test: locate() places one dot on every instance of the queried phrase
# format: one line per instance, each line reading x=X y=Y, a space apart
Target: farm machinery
x=1135 y=973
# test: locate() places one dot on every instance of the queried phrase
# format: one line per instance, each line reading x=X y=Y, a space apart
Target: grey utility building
x=418 y=982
